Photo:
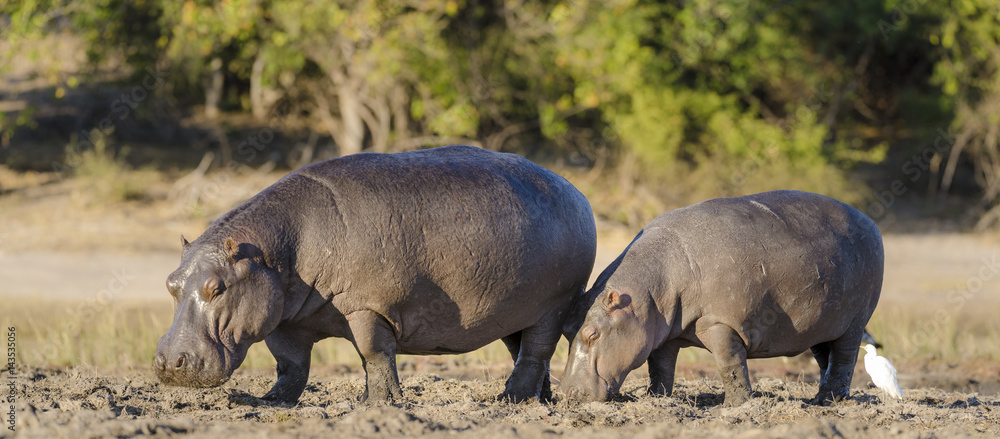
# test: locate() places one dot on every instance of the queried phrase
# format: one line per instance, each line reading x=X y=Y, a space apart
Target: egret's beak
x=867 y=338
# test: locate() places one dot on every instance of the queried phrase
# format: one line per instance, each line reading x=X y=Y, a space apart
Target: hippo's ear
x=231 y=248
x=184 y=242
x=614 y=300
x=236 y=251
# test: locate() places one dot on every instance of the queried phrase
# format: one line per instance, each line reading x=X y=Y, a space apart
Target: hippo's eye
x=212 y=288
x=590 y=334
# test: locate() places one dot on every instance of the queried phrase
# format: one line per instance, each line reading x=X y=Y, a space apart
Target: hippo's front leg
x=292 y=352
x=731 y=358
x=376 y=343
x=662 y=363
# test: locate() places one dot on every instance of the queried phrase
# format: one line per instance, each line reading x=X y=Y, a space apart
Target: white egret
x=882 y=372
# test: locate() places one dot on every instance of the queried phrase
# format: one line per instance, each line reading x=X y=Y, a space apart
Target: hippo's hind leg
x=292 y=351
x=821 y=353
x=662 y=363
x=513 y=343
x=534 y=348
x=835 y=384
x=731 y=357
x=376 y=344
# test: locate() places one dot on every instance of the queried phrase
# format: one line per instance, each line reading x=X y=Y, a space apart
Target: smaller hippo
x=759 y=276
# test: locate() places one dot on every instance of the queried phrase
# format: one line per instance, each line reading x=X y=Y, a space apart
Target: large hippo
x=438 y=251
x=764 y=275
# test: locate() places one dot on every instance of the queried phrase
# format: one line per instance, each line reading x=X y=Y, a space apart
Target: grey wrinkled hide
x=431 y=252
x=764 y=275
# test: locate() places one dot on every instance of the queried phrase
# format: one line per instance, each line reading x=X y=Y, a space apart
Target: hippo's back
x=795 y=214
x=453 y=189
x=432 y=170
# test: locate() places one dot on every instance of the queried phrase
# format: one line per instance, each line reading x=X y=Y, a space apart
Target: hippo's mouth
x=611 y=387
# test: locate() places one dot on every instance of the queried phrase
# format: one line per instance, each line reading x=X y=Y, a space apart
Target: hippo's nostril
x=180 y=361
x=160 y=362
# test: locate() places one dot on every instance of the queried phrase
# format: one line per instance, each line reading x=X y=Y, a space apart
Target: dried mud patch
x=82 y=403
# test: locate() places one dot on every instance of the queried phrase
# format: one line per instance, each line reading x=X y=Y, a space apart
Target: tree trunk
x=213 y=93
x=400 y=113
x=378 y=117
x=352 y=136
x=257 y=105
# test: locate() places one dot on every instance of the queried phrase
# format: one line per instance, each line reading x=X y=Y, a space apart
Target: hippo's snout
x=176 y=366
x=185 y=369
x=584 y=393
x=190 y=363
x=584 y=384
x=161 y=363
x=580 y=394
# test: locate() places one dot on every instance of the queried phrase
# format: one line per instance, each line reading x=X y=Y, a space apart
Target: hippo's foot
x=282 y=395
x=381 y=392
x=659 y=389
x=528 y=381
x=519 y=395
x=735 y=399
x=827 y=397
x=545 y=395
x=736 y=384
x=735 y=396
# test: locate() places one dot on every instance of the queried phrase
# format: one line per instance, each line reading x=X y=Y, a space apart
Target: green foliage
x=705 y=87
x=968 y=36
x=690 y=90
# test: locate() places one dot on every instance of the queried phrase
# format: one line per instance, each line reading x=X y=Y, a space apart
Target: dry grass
x=105 y=178
x=922 y=333
x=124 y=334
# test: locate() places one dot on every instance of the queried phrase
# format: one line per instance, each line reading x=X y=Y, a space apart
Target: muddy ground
x=80 y=402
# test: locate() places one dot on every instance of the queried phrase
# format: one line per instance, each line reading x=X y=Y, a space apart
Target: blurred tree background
x=873 y=102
